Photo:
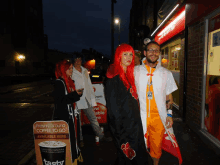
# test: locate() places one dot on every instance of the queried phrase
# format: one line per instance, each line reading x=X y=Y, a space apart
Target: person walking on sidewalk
x=123 y=109
x=87 y=101
x=65 y=97
x=155 y=85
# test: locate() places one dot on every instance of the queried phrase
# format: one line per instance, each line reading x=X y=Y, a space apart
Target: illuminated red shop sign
x=177 y=25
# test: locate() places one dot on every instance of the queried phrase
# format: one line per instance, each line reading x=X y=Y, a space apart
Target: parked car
x=97 y=75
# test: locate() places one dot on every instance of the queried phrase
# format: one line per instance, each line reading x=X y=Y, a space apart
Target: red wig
x=117 y=69
x=60 y=72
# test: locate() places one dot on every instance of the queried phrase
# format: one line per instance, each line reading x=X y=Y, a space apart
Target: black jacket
x=61 y=100
x=124 y=121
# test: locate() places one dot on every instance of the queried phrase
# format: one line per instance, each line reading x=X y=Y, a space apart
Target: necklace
x=149 y=93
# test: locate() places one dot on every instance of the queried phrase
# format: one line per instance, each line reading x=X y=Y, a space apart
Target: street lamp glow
x=20 y=57
x=117 y=21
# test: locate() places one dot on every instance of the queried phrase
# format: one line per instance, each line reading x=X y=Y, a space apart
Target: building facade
x=203 y=70
x=190 y=44
x=22 y=37
x=189 y=35
x=143 y=14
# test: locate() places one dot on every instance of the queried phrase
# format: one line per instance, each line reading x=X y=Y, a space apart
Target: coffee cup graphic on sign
x=53 y=152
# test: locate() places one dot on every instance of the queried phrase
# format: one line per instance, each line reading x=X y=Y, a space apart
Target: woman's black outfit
x=63 y=99
x=125 y=123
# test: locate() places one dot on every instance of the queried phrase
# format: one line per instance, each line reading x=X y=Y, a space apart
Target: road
x=21 y=106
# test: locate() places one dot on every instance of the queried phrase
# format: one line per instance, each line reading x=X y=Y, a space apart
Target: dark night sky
x=75 y=25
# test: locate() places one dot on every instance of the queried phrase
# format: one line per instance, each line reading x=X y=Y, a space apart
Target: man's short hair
x=77 y=57
x=151 y=42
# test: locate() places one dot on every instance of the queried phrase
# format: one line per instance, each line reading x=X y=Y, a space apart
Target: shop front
x=211 y=80
x=171 y=39
x=203 y=71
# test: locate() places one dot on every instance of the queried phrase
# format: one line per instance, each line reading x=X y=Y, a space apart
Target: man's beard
x=150 y=61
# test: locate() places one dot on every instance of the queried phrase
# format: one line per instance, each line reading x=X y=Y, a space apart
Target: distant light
x=88 y=72
x=102 y=57
x=20 y=57
x=23 y=104
x=95 y=75
x=117 y=21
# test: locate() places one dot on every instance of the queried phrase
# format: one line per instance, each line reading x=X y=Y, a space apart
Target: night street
x=21 y=106
x=142 y=72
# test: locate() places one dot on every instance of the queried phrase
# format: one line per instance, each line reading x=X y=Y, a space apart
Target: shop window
x=166 y=53
x=174 y=63
x=170 y=60
x=164 y=57
x=212 y=89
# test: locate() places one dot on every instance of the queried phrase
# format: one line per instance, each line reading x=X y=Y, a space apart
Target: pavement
x=193 y=150
x=18 y=148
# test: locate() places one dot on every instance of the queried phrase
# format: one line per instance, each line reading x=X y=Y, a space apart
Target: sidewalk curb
x=27 y=157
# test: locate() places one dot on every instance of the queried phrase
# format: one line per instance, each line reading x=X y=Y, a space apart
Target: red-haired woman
x=123 y=109
x=65 y=97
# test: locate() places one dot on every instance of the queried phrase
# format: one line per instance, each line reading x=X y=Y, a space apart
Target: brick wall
x=195 y=73
x=181 y=84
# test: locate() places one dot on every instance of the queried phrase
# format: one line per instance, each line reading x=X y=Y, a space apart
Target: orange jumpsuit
x=155 y=128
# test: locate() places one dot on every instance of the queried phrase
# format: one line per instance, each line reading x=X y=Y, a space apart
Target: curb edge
x=27 y=157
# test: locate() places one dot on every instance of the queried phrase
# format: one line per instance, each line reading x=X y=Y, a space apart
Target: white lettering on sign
x=96 y=108
x=99 y=113
x=171 y=26
x=53 y=163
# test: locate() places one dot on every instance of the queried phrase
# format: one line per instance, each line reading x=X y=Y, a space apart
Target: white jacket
x=163 y=84
x=82 y=80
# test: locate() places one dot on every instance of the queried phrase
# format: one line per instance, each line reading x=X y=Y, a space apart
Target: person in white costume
x=87 y=101
x=155 y=85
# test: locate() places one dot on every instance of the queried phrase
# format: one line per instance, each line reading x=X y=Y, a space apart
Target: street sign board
x=52 y=143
